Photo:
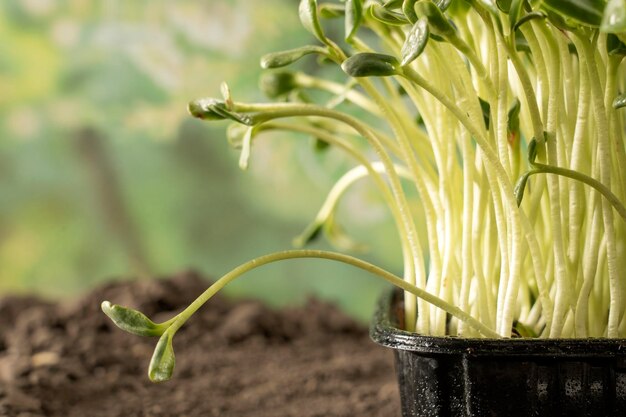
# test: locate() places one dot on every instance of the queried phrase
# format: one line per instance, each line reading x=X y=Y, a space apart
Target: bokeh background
x=103 y=175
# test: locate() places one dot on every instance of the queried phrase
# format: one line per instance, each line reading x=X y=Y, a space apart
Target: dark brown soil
x=233 y=359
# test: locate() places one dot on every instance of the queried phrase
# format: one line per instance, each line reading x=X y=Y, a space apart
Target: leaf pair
x=212 y=109
x=134 y=322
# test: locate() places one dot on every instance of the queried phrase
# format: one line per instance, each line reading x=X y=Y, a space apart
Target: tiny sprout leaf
x=614 y=17
x=438 y=23
x=619 y=102
x=131 y=321
x=278 y=84
x=386 y=16
x=225 y=90
x=163 y=360
x=532 y=151
x=310 y=234
x=320 y=145
x=504 y=5
x=219 y=107
x=486 y=109
x=284 y=58
x=515 y=9
x=368 y=64
x=309 y=19
x=415 y=42
x=246 y=146
x=409 y=11
x=584 y=12
x=235 y=133
x=521 y=330
x=336 y=236
x=520 y=187
x=354 y=16
x=513 y=121
x=202 y=109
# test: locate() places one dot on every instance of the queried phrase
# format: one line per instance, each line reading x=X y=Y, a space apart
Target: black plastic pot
x=455 y=377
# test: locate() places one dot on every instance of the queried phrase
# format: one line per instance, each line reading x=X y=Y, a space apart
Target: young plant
x=505 y=118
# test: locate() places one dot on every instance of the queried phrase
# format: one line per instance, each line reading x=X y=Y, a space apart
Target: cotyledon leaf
x=132 y=321
x=415 y=42
x=368 y=64
x=614 y=17
x=163 y=360
x=354 y=16
x=284 y=58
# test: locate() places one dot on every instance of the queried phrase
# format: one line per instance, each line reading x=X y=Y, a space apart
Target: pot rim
x=383 y=331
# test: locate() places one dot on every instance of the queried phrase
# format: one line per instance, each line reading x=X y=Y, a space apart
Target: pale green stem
x=615 y=305
x=564 y=300
x=264 y=112
x=506 y=189
x=339 y=257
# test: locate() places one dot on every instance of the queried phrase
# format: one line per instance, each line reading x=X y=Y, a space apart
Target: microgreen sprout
x=505 y=116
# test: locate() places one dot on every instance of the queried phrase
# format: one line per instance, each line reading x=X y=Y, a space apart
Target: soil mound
x=233 y=359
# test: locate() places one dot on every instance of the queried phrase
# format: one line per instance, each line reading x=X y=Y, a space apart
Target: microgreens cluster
x=503 y=115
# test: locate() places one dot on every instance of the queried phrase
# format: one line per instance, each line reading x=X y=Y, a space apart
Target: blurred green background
x=103 y=175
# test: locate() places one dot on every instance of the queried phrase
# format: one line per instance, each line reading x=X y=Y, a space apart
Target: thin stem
x=578 y=176
x=334 y=256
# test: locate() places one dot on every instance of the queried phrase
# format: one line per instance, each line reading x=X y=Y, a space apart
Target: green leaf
x=387 y=17
x=354 y=16
x=504 y=5
x=521 y=330
x=246 y=146
x=614 y=17
x=337 y=236
x=163 y=360
x=284 y=58
x=619 y=102
x=438 y=23
x=562 y=22
x=520 y=187
x=202 y=109
x=312 y=232
x=584 y=12
x=486 y=108
x=368 y=64
x=513 y=121
x=415 y=42
x=515 y=10
x=211 y=109
x=235 y=133
x=532 y=151
x=219 y=107
x=132 y=321
x=320 y=145
x=277 y=84
x=309 y=19
x=226 y=95
x=409 y=10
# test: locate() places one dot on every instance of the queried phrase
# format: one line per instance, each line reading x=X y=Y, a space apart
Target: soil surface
x=233 y=359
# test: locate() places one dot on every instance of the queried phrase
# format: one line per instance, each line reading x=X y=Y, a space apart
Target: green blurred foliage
x=103 y=174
